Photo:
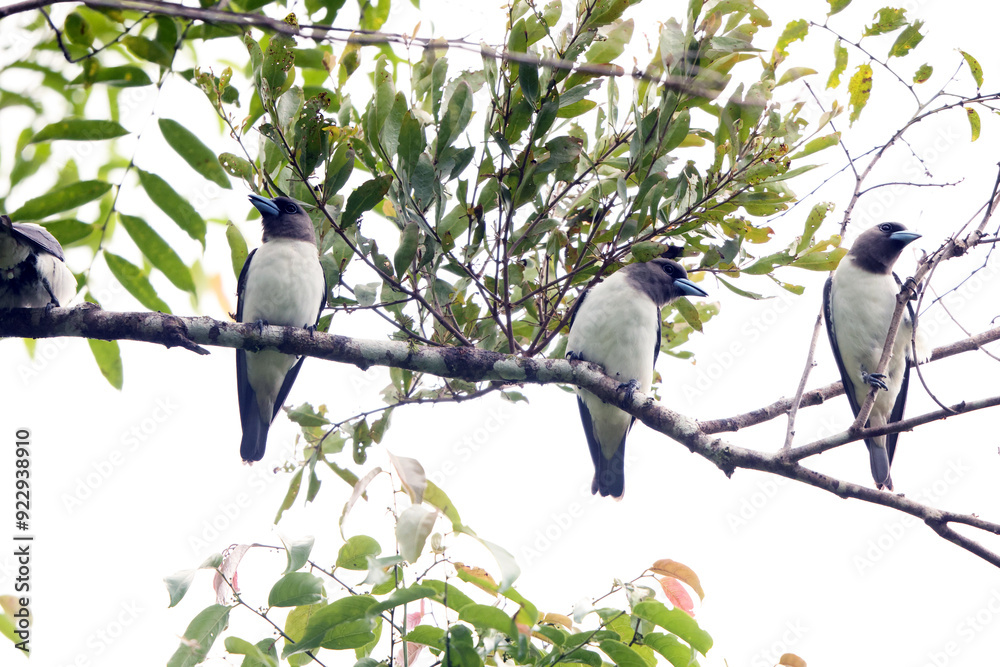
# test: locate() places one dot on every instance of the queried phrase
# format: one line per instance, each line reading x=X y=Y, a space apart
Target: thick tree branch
x=483 y=365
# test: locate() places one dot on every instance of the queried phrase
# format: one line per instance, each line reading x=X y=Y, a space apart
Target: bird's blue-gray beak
x=688 y=288
x=264 y=205
x=904 y=237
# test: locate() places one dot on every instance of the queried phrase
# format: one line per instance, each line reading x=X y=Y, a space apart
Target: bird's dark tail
x=609 y=474
x=879 y=458
x=254 y=434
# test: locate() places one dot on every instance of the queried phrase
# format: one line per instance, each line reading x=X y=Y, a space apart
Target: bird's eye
x=668 y=269
x=885 y=227
x=291 y=208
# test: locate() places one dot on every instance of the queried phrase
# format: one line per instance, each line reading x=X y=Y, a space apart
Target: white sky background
x=785 y=567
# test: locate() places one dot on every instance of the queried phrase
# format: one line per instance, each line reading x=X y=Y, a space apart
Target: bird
x=617 y=326
x=33 y=271
x=282 y=283
x=858 y=303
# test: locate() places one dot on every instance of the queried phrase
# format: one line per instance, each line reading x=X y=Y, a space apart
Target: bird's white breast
x=862 y=303
x=616 y=327
x=284 y=287
x=284 y=284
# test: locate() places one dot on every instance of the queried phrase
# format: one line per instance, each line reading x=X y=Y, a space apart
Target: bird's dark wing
x=244 y=391
x=576 y=308
x=900 y=404
x=39 y=238
x=659 y=335
x=831 y=332
x=588 y=430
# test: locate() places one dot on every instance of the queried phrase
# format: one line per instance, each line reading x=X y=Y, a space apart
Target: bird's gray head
x=878 y=248
x=284 y=218
x=662 y=279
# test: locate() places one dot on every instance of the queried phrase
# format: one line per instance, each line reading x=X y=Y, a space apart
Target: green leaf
x=68 y=231
x=147 y=49
x=795 y=73
x=194 y=152
x=454 y=599
x=402 y=596
x=255 y=655
x=923 y=73
x=340 y=624
x=355 y=552
x=125 y=76
x=296 y=589
x=413 y=527
x=671 y=648
x=108 y=356
x=456 y=117
x=820 y=261
x=813 y=221
x=907 y=39
x=428 y=635
x=407 y=249
x=483 y=616
x=236 y=166
x=860 y=89
x=622 y=655
x=794 y=31
x=816 y=145
x=839 y=65
x=837 y=6
x=61 y=199
x=298 y=552
x=293 y=491
x=135 y=281
x=176 y=207
x=974 y=122
x=77 y=30
x=974 y=67
x=364 y=198
x=613 y=44
x=237 y=248
x=886 y=20
x=77 y=129
x=158 y=252
x=178 y=585
x=675 y=621
x=199 y=636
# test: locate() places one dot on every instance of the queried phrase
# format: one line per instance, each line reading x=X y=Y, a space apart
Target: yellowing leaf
x=975 y=68
x=672 y=568
x=477 y=576
x=923 y=73
x=791 y=660
x=860 y=89
x=886 y=20
x=907 y=39
x=974 y=122
x=557 y=619
x=839 y=65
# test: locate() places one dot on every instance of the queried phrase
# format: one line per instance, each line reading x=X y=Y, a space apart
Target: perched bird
x=858 y=302
x=617 y=326
x=33 y=271
x=281 y=284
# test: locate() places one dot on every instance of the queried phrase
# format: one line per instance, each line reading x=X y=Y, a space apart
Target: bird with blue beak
x=617 y=326
x=858 y=303
x=281 y=284
x=33 y=271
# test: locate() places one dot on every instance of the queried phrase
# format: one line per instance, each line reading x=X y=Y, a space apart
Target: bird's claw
x=874 y=380
x=629 y=388
x=260 y=324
